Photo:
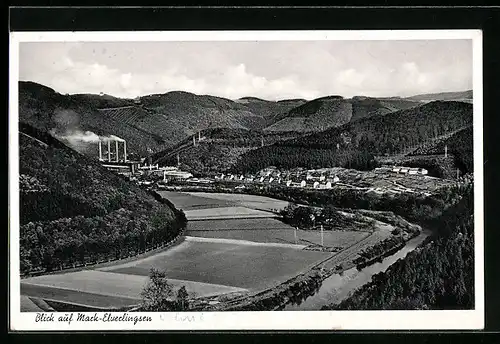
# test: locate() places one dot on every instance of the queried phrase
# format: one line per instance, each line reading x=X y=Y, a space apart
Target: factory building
x=176 y=175
x=112 y=160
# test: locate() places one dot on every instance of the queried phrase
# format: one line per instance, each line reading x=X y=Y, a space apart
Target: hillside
x=74 y=211
x=333 y=111
x=445 y=96
x=439 y=275
x=356 y=143
x=460 y=145
x=270 y=110
x=155 y=122
x=44 y=108
x=216 y=149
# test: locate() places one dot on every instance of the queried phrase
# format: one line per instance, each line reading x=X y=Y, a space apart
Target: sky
x=270 y=70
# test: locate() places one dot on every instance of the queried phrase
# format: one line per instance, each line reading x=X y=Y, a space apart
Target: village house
x=409 y=170
x=383 y=169
x=333 y=179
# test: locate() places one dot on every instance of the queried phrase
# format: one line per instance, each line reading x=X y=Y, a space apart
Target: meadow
x=235 y=224
x=230 y=247
x=249 y=201
x=187 y=201
x=226 y=213
x=243 y=266
x=330 y=238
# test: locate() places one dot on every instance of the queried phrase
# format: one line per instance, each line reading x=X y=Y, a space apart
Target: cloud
x=350 y=78
x=270 y=70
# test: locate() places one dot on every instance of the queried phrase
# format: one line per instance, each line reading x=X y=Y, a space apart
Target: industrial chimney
x=124 y=150
x=100 y=150
x=109 y=150
x=116 y=146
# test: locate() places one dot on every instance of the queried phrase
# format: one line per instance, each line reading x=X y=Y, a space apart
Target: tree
x=157 y=294
x=182 y=299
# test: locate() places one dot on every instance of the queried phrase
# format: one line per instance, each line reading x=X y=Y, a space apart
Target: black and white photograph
x=286 y=176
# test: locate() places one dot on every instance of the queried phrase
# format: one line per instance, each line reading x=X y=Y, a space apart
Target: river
x=338 y=287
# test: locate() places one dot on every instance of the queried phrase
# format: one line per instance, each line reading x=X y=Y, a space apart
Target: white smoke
x=112 y=138
x=80 y=136
x=77 y=136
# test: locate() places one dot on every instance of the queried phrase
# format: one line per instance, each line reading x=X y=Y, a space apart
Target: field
x=235 y=224
x=226 y=213
x=243 y=266
x=186 y=201
x=232 y=245
x=27 y=305
x=330 y=238
x=351 y=253
x=249 y=201
x=106 y=289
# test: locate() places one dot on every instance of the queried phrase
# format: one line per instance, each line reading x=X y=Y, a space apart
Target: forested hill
x=440 y=275
x=155 y=121
x=333 y=111
x=459 y=144
x=73 y=210
x=48 y=110
x=216 y=149
x=354 y=144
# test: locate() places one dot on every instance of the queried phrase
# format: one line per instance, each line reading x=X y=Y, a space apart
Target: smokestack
x=445 y=151
x=124 y=150
x=100 y=150
x=178 y=160
x=199 y=135
x=109 y=150
x=262 y=141
x=116 y=145
x=194 y=140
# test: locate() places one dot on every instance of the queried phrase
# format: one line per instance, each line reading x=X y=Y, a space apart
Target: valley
x=248 y=204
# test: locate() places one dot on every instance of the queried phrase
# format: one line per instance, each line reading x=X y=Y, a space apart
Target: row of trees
x=440 y=275
x=414 y=207
x=76 y=241
x=310 y=217
x=288 y=157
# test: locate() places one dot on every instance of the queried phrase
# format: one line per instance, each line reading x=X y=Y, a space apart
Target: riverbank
x=293 y=291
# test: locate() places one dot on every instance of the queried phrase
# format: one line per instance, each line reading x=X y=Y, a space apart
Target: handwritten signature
x=179 y=317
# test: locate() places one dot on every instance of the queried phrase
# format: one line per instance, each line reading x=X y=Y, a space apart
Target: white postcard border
x=283 y=320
